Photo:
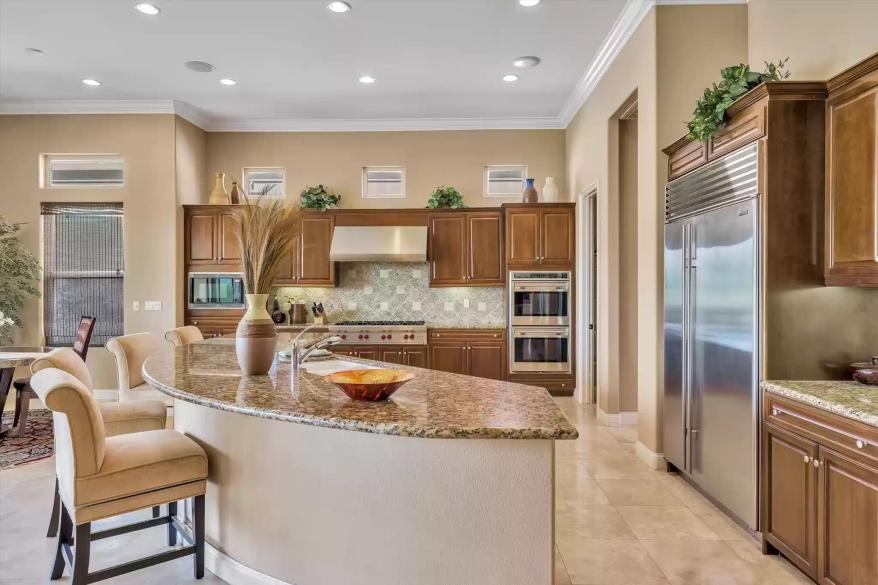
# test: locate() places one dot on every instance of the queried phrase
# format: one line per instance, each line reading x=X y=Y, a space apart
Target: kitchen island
x=450 y=481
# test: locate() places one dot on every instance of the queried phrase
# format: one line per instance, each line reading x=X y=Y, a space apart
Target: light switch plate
x=152 y=305
x=135 y=305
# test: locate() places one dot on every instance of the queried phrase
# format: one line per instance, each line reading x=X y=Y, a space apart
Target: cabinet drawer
x=467 y=334
x=556 y=385
x=744 y=128
x=849 y=437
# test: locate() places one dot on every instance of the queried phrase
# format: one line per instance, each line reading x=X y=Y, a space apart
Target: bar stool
x=119 y=418
x=184 y=335
x=130 y=352
x=23 y=391
x=102 y=476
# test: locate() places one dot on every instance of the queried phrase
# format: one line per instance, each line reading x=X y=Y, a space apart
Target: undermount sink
x=326 y=367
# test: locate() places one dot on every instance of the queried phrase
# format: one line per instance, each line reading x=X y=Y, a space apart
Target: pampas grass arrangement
x=268 y=227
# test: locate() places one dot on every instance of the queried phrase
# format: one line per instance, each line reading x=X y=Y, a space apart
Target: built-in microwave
x=216 y=290
x=539 y=349
x=539 y=298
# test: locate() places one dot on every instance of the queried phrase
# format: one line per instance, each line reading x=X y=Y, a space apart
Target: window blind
x=83 y=270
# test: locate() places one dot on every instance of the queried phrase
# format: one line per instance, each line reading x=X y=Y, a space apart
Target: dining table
x=12 y=357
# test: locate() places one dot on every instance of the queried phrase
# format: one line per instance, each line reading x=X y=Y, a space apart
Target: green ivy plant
x=710 y=109
x=318 y=197
x=446 y=197
x=20 y=272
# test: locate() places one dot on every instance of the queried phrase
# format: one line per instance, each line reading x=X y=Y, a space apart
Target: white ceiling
x=296 y=60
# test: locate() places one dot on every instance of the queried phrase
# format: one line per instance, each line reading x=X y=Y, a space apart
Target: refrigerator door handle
x=688 y=343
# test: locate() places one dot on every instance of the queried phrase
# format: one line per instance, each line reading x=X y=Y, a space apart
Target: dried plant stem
x=268 y=228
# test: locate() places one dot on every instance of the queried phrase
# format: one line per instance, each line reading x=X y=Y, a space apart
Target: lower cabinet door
x=368 y=353
x=343 y=350
x=848 y=521
x=392 y=355
x=415 y=357
x=487 y=360
x=790 y=505
x=448 y=357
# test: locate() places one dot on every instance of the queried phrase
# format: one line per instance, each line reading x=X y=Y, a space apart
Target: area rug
x=36 y=444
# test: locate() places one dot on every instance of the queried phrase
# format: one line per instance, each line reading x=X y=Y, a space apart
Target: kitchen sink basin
x=326 y=367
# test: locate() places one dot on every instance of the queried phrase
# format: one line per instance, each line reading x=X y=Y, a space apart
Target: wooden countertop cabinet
x=472 y=352
x=466 y=249
x=820 y=491
x=852 y=177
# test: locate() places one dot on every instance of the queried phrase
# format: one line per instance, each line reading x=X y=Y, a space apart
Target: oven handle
x=541 y=288
x=538 y=335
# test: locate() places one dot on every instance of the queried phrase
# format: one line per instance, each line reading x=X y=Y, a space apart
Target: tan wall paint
x=628 y=178
x=147 y=143
x=431 y=159
x=190 y=152
x=821 y=37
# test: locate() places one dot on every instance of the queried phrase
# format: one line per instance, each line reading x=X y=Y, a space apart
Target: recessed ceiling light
x=227 y=81
x=199 y=66
x=149 y=9
x=33 y=51
x=367 y=79
x=339 y=7
x=91 y=82
x=529 y=3
x=527 y=62
x=510 y=77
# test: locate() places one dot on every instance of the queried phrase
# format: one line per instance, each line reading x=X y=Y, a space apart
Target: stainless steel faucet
x=299 y=355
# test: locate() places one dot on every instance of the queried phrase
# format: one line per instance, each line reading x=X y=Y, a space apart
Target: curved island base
x=448 y=483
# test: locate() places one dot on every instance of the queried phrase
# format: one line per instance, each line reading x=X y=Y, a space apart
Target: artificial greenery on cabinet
x=319 y=197
x=710 y=109
x=447 y=197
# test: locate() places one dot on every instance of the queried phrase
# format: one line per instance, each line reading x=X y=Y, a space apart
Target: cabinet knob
x=861 y=444
x=807 y=459
x=815 y=462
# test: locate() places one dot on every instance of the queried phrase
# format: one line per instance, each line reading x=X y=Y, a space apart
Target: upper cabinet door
x=557 y=237
x=448 y=265
x=315 y=234
x=522 y=237
x=289 y=270
x=201 y=238
x=485 y=249
x=228 y=243
x=852 y=186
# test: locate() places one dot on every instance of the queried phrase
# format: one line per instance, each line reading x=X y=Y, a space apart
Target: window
x=505 y=180
x=383 y=182
x=83 y=270
x=82 y=170
x=264 y=181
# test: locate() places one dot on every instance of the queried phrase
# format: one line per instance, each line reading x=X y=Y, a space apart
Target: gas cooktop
x=380 y=323
x=381 y=332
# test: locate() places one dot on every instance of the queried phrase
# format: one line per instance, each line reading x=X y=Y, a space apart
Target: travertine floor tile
x=717 y=521
x=621 y=466
x=570 y=495
x=610 y=562
x=665 y=522
x=638 y=492
x=586 y=522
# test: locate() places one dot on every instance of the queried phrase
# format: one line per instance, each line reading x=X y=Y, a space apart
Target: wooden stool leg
x=81 y=553
x=172 y=530
x=64 y=535
x=56 y=513
x=22 y=408
x=199 y=536
x=17 y=414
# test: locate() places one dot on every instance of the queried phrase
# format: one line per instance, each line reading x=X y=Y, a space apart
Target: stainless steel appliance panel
x=674 y=334
x=723 y=368
x=539 y=299
x=212 y=290
x=540 y=349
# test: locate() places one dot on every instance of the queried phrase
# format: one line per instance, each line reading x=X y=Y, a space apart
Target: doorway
x=588 y=296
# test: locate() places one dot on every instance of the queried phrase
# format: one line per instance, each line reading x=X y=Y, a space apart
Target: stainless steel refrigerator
x=711 y=329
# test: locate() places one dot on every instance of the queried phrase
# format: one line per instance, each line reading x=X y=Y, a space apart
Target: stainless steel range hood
x=379 y=244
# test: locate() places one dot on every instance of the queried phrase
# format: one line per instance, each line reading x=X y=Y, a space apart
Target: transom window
x=82 y=171
x=268 y=181
x=383 y=182
x=505 y=180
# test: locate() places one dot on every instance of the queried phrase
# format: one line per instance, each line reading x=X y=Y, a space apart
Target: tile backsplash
x=391 y=291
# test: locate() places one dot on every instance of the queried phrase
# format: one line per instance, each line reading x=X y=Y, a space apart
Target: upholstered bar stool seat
x=130 y=352
x=184 y=335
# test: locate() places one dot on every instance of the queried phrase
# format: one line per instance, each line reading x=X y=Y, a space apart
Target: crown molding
x=13 y=107
x=382 y=124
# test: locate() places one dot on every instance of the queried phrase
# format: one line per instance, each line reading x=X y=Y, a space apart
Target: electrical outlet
x=152 y=305
x=465 y=303
x=135 y=305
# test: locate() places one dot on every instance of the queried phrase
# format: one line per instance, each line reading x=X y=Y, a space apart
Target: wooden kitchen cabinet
x=229 y=244
x=201 y=237
x=852 y=177
x=820 y=491
x=367 y=352
x=473 y=352
x=540 y=236
x=466 y=249
x=309 y=263
x=405 y=355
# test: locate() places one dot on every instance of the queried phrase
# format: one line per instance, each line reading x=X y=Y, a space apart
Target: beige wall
x=628 y=177
x=147 y=143
x=190 y=154
x=336 y=159
x=821 y=37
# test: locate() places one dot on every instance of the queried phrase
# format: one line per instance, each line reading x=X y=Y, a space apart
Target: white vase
x=255 y=337
x=550 y=191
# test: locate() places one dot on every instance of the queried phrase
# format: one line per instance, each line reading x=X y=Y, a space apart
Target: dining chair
x=23 y=391
x=100 y=477
x=130 y=352
x=184 y=335
x=119 y=418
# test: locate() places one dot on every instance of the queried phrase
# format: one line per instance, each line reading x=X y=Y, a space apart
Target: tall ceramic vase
x=255 y=338
x=550 y=191
x=219 y=195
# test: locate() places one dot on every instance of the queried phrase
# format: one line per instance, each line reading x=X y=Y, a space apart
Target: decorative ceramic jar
x=219 y=195
x=235 y=195
x=530 y=194
x=550 y=191
x=255 y=337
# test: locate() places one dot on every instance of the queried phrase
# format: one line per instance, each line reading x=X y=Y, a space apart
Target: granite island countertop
x=433 y=405
x=843 y=397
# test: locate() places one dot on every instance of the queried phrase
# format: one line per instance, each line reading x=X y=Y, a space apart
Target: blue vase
x=530 y=194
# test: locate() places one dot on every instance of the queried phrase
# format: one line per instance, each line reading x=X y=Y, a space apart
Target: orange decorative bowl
x=371 y=384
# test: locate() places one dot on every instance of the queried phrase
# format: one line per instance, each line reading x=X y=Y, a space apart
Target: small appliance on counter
x=298 y=314
x=866 y=372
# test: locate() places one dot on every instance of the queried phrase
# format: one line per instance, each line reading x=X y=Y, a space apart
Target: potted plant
x=319 y=197
x=20 y=270
x=447 y=197
x=266 y=237
x=710 y=109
